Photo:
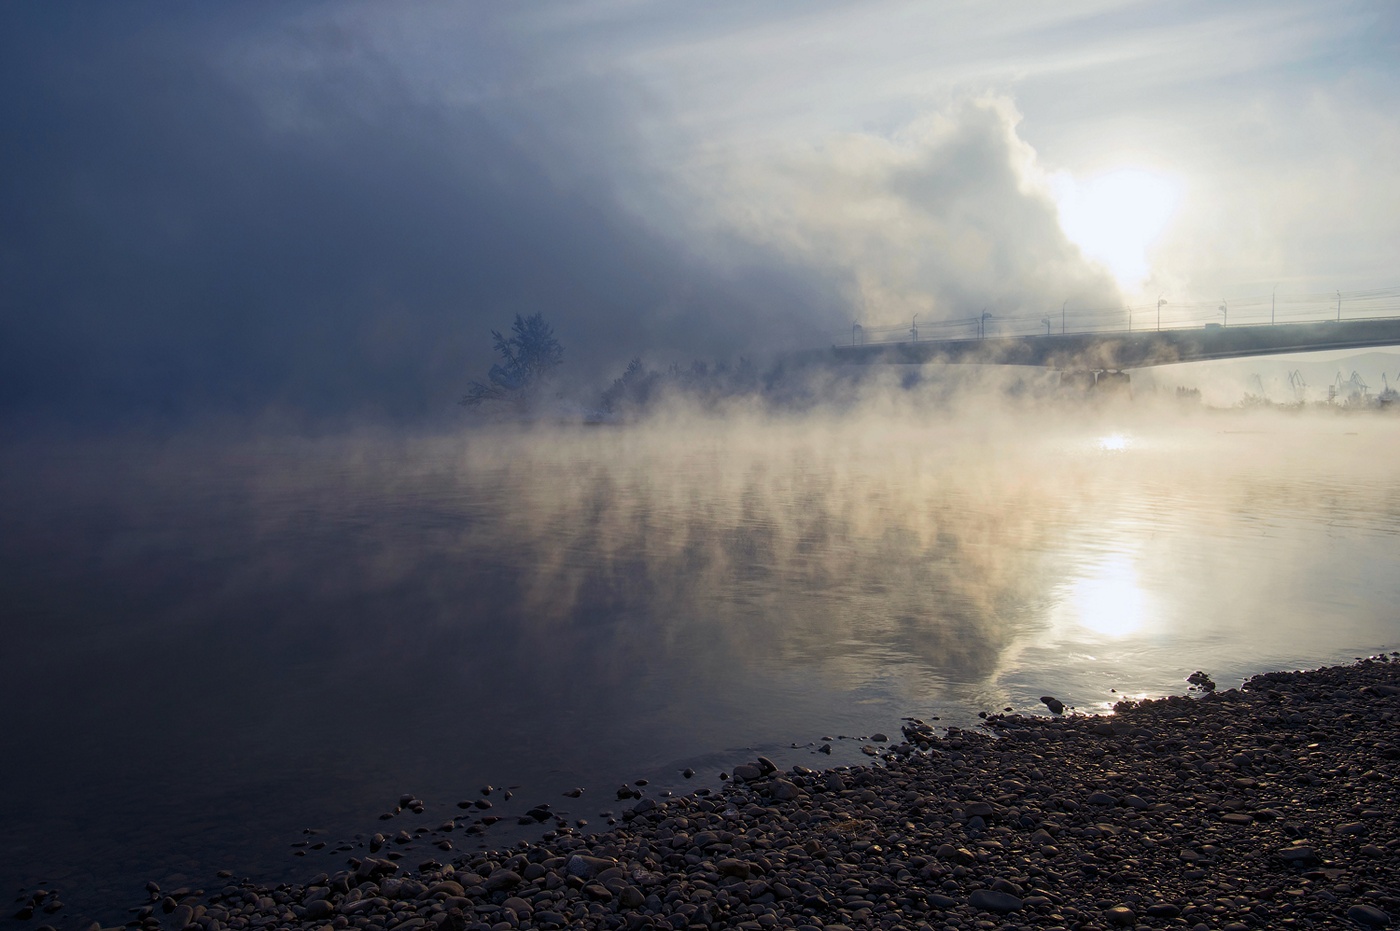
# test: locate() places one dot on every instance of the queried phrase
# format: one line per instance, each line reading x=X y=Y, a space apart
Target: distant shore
x=1276 y=805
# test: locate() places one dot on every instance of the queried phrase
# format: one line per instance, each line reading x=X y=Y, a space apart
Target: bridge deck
x=1113 y=351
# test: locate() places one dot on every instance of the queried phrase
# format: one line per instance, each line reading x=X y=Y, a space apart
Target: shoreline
x=1273 y=805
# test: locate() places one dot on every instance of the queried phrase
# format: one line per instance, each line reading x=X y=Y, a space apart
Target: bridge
x=1124 y=350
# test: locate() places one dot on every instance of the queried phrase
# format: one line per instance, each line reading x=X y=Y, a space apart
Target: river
x=215 y=644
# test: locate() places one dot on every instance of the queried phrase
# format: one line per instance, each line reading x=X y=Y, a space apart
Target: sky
x=321 y=210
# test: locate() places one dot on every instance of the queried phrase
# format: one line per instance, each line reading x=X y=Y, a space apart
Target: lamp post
x=1046 y=321
x=914 y=329
x=1130 y=319
x=1273 y=305
x=1339 y=307
x=1062 y=316
x=1225 y=310
x=982 y=325
x=1160 y=302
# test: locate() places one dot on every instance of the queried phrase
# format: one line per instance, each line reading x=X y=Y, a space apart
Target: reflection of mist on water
x=215 y=622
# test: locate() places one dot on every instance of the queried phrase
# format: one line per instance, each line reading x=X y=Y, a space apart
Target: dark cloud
x=186 y=234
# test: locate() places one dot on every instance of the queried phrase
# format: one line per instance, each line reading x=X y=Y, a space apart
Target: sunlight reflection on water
x=1108 y=600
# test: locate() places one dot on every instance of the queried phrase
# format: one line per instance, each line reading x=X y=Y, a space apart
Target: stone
x=1368 y=915
x=501 y=879
x=588 y=867
x=1054 y=704
x=748 y=772
x=321 y=908
x=729 y=866
x=990 y=900
x=785 y=791
x=1120 y=915
x=597 y=892
x=1301 y=855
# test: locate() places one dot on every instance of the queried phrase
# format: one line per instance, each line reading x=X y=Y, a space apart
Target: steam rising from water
x=573 y=606
x=777 y=537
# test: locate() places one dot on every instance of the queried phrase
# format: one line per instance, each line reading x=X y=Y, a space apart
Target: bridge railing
x=1278 y=310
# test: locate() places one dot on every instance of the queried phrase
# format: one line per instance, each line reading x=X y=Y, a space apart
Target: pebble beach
x=1274 y=805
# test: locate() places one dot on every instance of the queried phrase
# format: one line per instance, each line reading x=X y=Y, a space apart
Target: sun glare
x=1116 y=217
x=1110 y=601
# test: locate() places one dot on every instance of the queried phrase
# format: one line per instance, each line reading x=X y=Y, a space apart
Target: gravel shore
x=1272 y=806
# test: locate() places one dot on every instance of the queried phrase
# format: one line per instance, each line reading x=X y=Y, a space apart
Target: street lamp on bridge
x=914 y=329
x=1225 y=310
x=1160 y=302
x=982 y=325
x=1046 y=321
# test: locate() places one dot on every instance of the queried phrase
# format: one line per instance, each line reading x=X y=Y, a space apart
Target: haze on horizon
x=323 y=209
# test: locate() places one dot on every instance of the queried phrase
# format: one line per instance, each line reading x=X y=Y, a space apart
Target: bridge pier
x=1095 y=381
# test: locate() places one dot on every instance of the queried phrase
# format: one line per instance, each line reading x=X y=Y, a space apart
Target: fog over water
x=219 y=642
x=260 y=573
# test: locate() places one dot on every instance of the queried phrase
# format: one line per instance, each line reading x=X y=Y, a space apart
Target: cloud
x=195 y=226
x=326 y=207
x=949 y=216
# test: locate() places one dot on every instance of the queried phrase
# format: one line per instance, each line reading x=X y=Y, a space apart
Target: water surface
x=213 y=644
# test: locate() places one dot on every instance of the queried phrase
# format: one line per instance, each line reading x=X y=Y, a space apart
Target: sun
x=1115 y=217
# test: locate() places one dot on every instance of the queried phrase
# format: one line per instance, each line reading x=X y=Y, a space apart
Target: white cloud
x=947 y=217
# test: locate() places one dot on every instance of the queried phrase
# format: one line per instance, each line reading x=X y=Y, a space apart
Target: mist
x=278 y=217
